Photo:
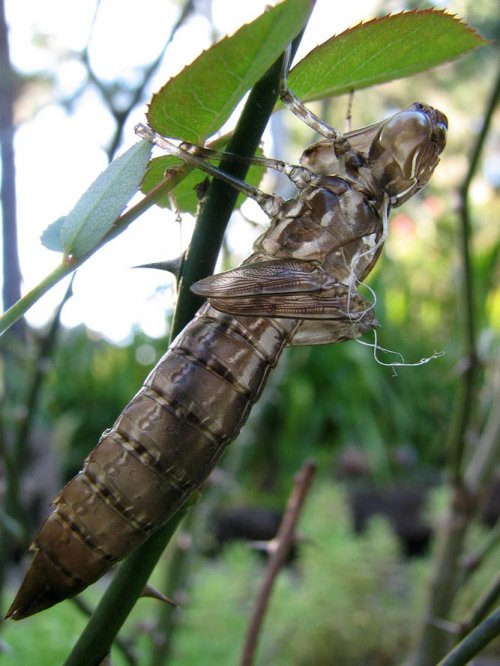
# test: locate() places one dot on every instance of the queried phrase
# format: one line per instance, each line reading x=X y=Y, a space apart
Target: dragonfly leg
x=270 y=203
x=293 y=103
x=211 y=154
x=300 y=176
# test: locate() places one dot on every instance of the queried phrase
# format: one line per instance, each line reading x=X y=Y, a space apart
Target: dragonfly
x=299 y=286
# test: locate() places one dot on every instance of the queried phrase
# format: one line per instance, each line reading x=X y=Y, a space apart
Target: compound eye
x=403 y=135
x=439 y=136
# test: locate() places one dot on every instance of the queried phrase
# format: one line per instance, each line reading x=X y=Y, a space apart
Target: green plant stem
x=253 y=122
x=471 y=363
x=120 y=644
x=201 y=259
x=106 y=621
x=177 y=573
x=221 y=198
x=483 y=605
x=432 y=642
x=17 y=310
x=474 y=559
x=474 y=642
x=44 y=354
x=486 y=457
x=15 y=522
x=16 y=457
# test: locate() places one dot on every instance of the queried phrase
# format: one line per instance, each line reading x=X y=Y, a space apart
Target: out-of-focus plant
x=474 y=442
x=319 y=408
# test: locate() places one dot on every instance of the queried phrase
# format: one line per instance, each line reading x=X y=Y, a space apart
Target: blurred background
x=83 y=73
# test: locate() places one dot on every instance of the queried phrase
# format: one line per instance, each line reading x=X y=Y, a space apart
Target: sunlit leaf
x=92 y=217
x=198 y=101
x=374 y=52
x=381 y=50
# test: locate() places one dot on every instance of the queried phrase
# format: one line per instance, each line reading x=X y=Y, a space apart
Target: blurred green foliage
x=350 y=600
x=90 y=383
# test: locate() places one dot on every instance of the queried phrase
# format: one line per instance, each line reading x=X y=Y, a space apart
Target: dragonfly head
x=406 y=149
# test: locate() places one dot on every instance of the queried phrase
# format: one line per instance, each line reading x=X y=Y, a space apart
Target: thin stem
x=202 y=255
x=474 y=559
x=474 y=642
x=175 y=582
x=221 y=197
x=11 y=268
x=44 y=354
x=486 y=456
x=16 y=457
x=483 y=605
x=120 y=644
x=472 y=364
x=246 y=137
x=17 y=310
x=284 y=540
x=109 y=94
x=433 y=642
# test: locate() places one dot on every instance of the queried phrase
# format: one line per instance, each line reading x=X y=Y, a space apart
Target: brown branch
x=108 y=94
x=284 y=540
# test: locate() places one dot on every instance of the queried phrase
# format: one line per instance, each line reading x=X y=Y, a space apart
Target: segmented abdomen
x=162 y=447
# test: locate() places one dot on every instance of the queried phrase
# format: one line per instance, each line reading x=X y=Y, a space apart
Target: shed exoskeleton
x=298 y=287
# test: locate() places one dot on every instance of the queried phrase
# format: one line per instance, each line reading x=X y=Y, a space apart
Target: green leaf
x=52 y=236
x=381 y=50
x=95 y=212
x=198 y=101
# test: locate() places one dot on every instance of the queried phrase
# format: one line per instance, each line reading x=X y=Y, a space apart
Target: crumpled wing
x=291 y=289
x=333 y=304
x=328 y=317
x=276 y=276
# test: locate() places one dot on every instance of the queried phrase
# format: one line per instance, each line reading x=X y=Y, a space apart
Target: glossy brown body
x=299 y=287
x=161 y=448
